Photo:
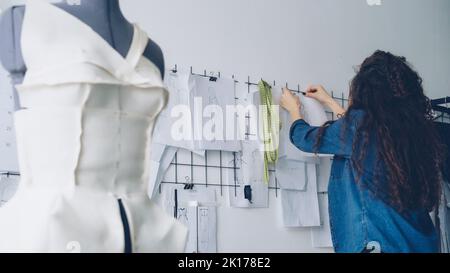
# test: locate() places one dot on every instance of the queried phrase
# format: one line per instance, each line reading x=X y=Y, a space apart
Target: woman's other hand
x=319 y=93
x=291 y=103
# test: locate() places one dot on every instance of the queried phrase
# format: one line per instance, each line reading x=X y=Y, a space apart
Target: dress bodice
x=94 y=109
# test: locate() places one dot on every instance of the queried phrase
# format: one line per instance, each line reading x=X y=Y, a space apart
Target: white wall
x=302 y=42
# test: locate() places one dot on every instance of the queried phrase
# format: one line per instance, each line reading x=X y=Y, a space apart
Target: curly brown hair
x=400 y=117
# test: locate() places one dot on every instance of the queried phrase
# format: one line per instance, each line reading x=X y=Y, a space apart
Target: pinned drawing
x=195 y=208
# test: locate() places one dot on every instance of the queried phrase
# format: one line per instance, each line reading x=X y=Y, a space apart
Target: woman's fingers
x=286 y=91
x=312 y=90
x=318 y=92
x=289 y=101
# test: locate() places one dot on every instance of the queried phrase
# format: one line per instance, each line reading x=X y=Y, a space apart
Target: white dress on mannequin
x=84 y=143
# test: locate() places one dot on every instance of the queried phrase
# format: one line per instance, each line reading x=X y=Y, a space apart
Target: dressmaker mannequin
x=104 y=16
x=83 y=133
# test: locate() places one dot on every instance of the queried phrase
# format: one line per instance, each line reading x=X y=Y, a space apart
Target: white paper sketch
x=250 y=190
x=216 y=94
x=291 y=174
x=314 y=113
x=301 y=208
x=197 y=210
x=323 y=174
x=288 y=150
x=249 y=124
x=188 y=215
x=180 y=86
x=207 y=230
x=205 y=124
x=161 y=158
x=8 y=147
x=321 y=236
x=8 y=187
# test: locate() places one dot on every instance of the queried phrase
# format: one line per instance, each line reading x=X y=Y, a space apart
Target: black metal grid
x=442 y=109
x=221 y=166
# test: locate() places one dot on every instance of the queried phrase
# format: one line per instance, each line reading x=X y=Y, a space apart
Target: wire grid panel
x=443 y=117
x=441 y=108
x=220 y=169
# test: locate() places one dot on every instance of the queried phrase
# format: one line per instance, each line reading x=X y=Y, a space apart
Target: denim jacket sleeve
x=337 y=138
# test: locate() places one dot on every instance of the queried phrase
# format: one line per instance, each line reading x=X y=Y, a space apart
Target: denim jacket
x=357 y=217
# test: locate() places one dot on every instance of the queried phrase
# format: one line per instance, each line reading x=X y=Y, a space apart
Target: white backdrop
x=302 y=42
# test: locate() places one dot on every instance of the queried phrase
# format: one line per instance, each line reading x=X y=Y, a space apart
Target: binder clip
x=213 y=78
x=248 y=193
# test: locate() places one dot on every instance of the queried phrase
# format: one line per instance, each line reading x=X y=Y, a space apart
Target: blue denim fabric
x=357 y=216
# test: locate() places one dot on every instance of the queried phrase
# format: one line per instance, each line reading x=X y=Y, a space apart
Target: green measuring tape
x=271 y=127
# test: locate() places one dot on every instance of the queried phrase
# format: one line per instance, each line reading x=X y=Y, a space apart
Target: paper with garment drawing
x=217 y=130
x=315 y=115
x=291 y=174
x=160 y=160
x=205 y=102
x=250 y=190
x=8 y=187
x=321 y=236
x=180 y=87
x=323 y=174
x=8 y=105
x=197 y=210
x=289 y=151
x=248 y=123
x=301 y=208
x=313 y=112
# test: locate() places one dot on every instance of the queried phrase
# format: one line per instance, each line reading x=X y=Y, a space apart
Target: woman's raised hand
x=319 y=93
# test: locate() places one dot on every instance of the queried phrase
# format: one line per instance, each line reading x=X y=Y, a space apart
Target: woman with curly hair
x=385 y=177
